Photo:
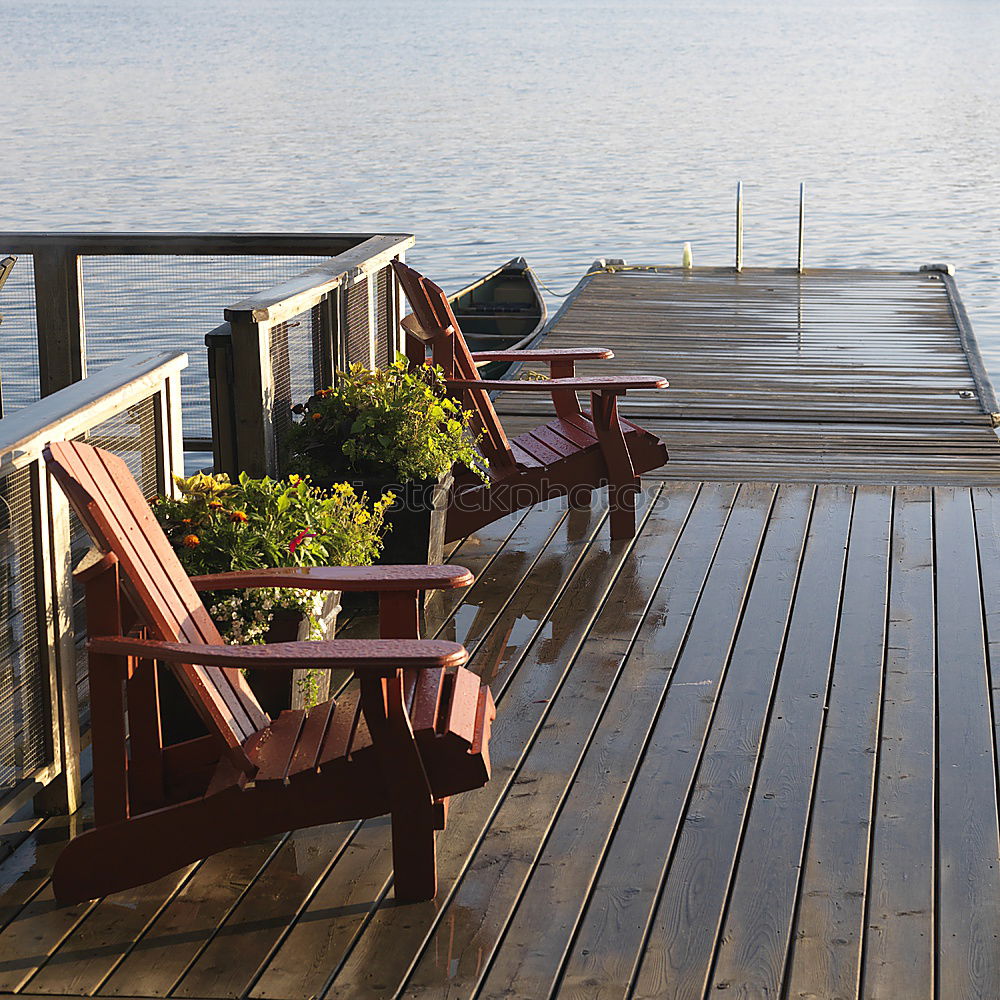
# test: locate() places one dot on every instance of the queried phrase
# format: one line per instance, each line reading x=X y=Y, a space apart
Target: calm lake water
x=559 y=129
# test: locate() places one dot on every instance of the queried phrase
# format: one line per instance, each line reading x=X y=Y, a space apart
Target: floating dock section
x=829 y=376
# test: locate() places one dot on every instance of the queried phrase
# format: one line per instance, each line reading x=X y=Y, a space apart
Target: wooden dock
x=751 y=753
x=831 y=376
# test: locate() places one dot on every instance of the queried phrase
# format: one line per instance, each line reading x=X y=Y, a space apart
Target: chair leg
x=414 y=858
x=621 y=500
x=623 y=483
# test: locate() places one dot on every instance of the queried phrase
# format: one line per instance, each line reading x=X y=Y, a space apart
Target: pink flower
x=300 y=538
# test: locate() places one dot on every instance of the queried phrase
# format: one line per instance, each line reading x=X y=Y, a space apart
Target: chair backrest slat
x=111 y=506
x=440 y=329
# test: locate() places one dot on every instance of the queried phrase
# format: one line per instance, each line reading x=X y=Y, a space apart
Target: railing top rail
x=83 y=405
x=184 y=243
x=299 y=293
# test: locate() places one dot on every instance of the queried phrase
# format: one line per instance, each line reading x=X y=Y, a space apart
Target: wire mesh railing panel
x=383 y=289
x=132 y=436
x=294 y=369
x=357 y=336
x=18 y=336
x=25 y=741
x=171 y=302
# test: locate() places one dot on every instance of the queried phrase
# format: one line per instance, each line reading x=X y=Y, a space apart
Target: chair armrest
x=380 y=656
x=608 y=383
x=555 y=354
x=348 y=578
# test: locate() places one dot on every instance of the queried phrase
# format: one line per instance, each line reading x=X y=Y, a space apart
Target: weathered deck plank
x=610 y=940
x=756 y=935
x=682 y=937
x=825 y=960
x=968 y=836
x=899 y=927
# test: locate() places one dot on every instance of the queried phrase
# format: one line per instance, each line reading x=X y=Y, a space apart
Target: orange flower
x=215 y=505
x=317 y=416
x=238 y=517
x=191 y=541
x=186 y=520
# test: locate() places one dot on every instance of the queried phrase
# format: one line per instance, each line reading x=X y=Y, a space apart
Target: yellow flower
x=191 y=541
x=199 y=483
x=295 y=480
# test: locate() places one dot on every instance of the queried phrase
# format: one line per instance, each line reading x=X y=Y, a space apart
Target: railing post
x=325 y=358
x=396 y=310
x=58 y=646
x=221 y=385
x=62 y=351
x=253 y=404
x=169 y=435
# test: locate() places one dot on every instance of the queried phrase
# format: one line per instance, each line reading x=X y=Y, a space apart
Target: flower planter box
x=416 y=520
x=276 y=690
x=416 y=529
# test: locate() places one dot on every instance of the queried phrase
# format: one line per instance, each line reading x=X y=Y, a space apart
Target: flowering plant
x=390 y=423
x=216 y=525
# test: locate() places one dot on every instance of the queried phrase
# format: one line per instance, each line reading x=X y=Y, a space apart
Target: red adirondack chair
x=416 y=733
x=572 y=454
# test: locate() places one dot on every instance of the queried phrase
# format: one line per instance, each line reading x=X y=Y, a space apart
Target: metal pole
x=739 y=226
x=802 y=205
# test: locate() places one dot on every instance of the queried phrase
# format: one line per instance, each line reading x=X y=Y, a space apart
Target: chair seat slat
x=537 y=448
x=556 y=442
x=310 y=743
x=582 y=436
x=524 y=457
x=273 y=748
x=341 y=729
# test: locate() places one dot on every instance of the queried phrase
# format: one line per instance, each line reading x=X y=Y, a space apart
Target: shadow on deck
x=750 y=754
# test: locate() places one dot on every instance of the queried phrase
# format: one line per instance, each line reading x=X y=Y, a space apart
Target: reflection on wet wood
x=717 y=758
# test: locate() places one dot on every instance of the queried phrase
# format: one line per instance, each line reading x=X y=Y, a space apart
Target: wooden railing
x=133 y=409
x=283 y=344
x=144 y=290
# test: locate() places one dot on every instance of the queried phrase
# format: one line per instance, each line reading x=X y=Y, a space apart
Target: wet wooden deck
x=751 y=754
x=833 y=376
